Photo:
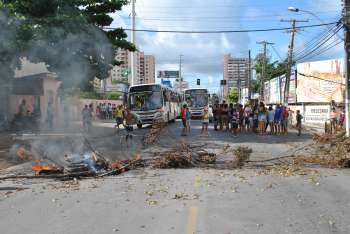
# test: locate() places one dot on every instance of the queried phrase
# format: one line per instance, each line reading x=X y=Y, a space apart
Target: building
x=144 y=72
x=236 y=73
x=150 y=69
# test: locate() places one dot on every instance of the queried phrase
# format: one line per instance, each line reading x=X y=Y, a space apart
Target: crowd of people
x=237 y=118
x=123 y=116
x=337 y=119
x=258 y=118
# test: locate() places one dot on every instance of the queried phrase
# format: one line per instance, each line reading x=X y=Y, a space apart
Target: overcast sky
x=203 y=53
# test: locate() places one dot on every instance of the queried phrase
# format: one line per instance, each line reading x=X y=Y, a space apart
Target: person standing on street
x=285 y=116
x=241 y=117
x=333 y=118
x=224 y=116
x=86 y=117
x=205 y=122
x=118 y=113
x=216 y=115
x=234 y=121
x=188 y=120
x=271 y=119
x=299 y=117
x=183 y=118
x=278 y=120
x=262 y=119
x=130 y=120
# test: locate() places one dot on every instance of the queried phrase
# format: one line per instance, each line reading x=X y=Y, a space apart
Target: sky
x=203 y=53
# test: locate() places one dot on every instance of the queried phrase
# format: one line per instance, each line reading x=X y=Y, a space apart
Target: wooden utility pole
x=263 y=72
x=249 y=76
x=346 y=21
x=290 y=58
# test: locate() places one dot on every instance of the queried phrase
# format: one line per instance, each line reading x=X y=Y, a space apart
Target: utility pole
x=263 y=72
x=239 y=82
x=249 y=76
x=346 y=21
x=180 y=72
x=133 y=39
x=290 y=58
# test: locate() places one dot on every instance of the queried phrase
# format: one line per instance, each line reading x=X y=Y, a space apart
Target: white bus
x=196 y=99
x=154 y=102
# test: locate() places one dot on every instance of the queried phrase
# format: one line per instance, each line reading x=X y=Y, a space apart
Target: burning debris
x=183 y=156
x=41 y=169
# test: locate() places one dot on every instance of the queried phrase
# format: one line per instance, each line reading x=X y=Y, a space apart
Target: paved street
x=185 y=200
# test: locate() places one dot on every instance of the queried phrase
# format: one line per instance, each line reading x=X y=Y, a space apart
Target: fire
x=46 y=169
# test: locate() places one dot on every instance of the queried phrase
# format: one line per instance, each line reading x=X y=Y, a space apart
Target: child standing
x=299 y=118
x=188 y=119
x=205 y=122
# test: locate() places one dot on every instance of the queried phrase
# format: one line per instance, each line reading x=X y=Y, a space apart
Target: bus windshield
x=144 y=101
x=196 y=97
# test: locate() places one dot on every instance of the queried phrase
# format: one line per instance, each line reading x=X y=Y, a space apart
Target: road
x=185 y=200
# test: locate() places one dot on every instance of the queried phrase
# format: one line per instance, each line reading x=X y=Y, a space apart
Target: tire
x=139 y=125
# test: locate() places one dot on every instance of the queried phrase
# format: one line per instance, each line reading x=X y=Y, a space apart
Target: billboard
x=321 y=81
x=168 y=74
x=274 y=90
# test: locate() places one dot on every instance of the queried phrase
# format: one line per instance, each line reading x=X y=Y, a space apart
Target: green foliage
x=66 y=35
x=90 y=95
x=272 y=69
x=232 y=97
x=113 y=95
x=254 y=85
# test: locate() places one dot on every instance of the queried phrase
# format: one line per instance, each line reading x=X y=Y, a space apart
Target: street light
x=296 y=9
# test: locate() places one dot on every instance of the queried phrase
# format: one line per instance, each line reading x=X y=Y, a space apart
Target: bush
x=113 y=95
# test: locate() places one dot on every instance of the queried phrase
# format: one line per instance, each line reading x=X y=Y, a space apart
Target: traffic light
x=198 y=81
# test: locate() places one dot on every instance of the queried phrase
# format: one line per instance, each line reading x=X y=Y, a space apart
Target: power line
x=224 y=31
x=330 y=46
x=318 y=46
x=319 y=78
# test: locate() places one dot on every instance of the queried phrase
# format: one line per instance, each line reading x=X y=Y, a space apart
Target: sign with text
x=168 y=74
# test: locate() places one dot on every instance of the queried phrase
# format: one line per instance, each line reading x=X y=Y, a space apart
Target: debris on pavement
x=335 y=154
x=287 y=170
x=153 y=136
x=183 y=156
x=241 y=155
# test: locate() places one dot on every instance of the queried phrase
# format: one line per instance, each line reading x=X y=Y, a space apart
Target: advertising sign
x=321 y=81
x=316 y=114
x=119 y=87
x=168 y=74
x=274 y=90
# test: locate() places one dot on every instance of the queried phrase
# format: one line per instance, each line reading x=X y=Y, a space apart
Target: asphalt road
x=185 y=200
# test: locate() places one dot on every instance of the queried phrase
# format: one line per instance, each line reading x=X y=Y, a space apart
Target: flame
x=38 y=168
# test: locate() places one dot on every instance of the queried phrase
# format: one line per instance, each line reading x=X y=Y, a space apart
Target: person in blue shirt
x=277 y=119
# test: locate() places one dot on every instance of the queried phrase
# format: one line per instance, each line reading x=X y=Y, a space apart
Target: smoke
x=75 y=52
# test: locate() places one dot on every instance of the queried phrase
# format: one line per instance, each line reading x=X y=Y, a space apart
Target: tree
x=67 y=35
x=272 y=69
x=232 y=96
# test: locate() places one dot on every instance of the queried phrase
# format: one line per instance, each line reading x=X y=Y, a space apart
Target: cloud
x=202 y=53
